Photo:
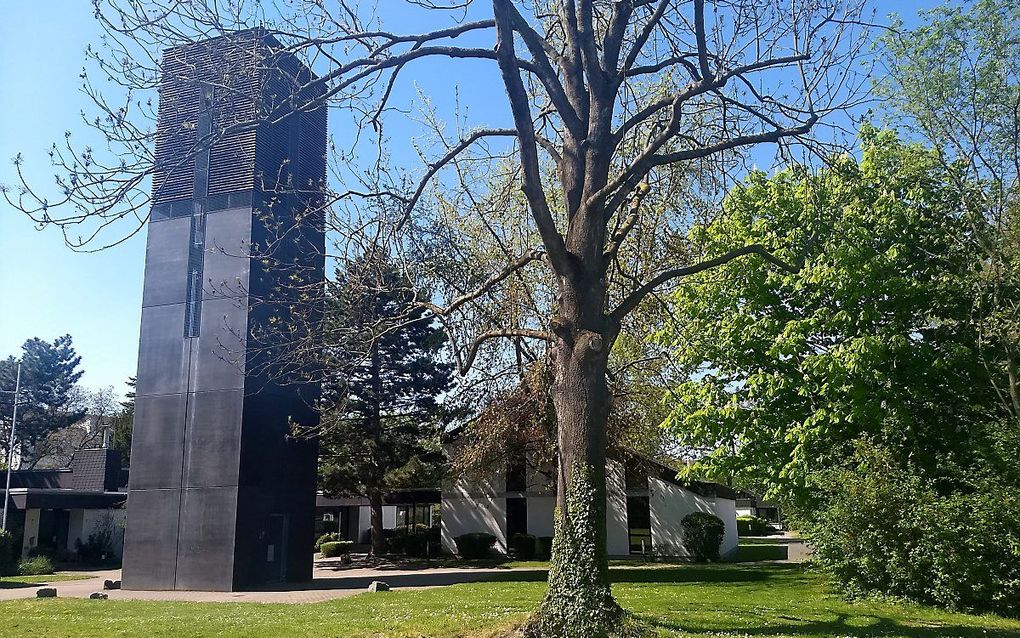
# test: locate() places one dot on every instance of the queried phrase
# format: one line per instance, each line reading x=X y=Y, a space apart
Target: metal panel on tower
x=221 y=495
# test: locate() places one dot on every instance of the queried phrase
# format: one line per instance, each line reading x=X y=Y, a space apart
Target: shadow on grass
x=718 y=573
x=879 y=626
x=757 y=552
x=400 y=563
x=415 y=579
x=23 y=582
x=484 y=572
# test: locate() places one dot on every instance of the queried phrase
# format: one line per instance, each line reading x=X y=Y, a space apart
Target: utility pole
x=10 y=447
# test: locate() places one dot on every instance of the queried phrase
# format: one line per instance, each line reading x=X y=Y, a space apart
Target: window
x=517 y=475
x=414 y=514
x=635 y=477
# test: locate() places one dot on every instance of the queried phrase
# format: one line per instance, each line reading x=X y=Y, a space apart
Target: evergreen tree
x=382 y=413
x=49 y=373
x=123 y=424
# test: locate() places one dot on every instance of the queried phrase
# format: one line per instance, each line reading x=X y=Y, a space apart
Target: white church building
x=645 y=505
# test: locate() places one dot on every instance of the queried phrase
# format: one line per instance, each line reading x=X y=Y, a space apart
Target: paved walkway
x=331 y=581
x=328 y=584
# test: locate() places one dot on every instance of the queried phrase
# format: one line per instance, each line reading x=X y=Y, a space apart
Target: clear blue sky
x=47 y=290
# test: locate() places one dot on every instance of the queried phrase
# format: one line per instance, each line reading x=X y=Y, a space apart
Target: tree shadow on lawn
x=876 y=626
x=17 y=584
x=719 y=573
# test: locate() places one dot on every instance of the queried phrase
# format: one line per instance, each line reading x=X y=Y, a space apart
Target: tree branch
x=633 y=299
x=531 y=169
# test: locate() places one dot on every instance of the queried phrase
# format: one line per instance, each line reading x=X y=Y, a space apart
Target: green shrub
x=35 y=566
x=418 y=540
x=332 y=549
x=543 y=547
x=523 y=546
x=8 y=554
x=98 y=549
x=882 y=530
x=475 y=545
x=751 y=526
x=703 y=535
x=328 y=537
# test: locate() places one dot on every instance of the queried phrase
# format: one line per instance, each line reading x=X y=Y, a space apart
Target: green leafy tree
x=617 y=96
x=382 y=414
x=955 y=81
x=49 y=374
x=871 y=338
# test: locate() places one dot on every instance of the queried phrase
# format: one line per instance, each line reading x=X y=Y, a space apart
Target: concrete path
x=327 y=584
x=331 y=580
x=797 y=549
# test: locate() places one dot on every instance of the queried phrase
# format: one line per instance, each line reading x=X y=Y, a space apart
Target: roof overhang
x=65 y=499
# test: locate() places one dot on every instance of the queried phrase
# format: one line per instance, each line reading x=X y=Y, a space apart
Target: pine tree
x=49 y=373
x=123 y=424
x=382 y=413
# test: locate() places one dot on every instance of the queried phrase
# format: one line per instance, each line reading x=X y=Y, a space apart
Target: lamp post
x=10 y=447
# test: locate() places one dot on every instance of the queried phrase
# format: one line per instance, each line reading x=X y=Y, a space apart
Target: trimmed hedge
x=333 y=549
x=523 y=546
x=703 y=535
x=752 y=526
x=475 y=545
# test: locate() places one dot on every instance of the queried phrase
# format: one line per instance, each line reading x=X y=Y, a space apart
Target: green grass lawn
x=767 y=601
x=7 y=582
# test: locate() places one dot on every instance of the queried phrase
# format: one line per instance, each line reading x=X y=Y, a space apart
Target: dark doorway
x=53 y=530
x=639 y=525
x=516 y=517
x=276 y=548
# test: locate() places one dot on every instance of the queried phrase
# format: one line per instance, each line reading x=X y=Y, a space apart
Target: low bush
x=882 y=530
x=98 y=549
x=35 y=566
x=328 y=537
x=543 y=547
x=523 y=546
x=752 y=526
x=418 y=540
x=8 y=554
x=332 y=549
x=475 y=545
x=703 y=535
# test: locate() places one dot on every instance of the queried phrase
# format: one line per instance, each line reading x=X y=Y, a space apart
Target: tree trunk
x=375 y=504
x=579 y=602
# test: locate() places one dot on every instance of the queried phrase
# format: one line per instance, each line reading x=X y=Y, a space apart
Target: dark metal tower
x=221 y=496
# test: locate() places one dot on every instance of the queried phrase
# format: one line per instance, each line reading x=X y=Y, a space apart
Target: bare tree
x=608 y=103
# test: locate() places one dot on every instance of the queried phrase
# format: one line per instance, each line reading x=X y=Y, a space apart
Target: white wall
x=726 y=509
x=541 y=510
x=31 y=537
x=464 y=512
x=475 y=504
x=617 y=534
x=669 y=505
